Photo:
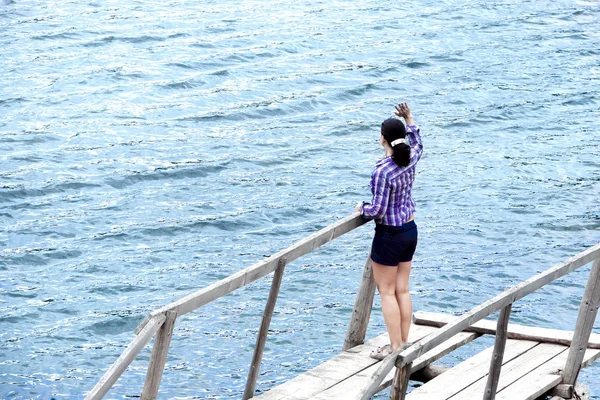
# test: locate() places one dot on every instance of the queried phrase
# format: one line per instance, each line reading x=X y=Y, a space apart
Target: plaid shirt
x=391 y=186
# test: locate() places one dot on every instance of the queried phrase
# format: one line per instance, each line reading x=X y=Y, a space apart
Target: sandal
x=381 y=353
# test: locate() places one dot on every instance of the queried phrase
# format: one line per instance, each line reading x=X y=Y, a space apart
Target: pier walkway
x=524 y=363
x=530 y=367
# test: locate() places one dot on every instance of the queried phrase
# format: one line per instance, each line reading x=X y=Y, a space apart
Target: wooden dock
x=524 y=363
x=531 y=364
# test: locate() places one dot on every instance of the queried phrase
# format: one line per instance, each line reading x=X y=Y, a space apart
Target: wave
x=163 y=173
x=13 y=194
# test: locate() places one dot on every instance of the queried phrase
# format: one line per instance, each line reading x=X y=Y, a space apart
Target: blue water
x=148 y=149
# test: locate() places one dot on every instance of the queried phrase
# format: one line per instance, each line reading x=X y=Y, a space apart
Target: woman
x=395 y=238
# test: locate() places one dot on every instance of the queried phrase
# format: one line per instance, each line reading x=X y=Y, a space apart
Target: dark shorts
x=394 y=244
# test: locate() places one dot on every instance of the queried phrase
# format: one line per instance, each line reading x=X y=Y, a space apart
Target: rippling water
x=148 y=149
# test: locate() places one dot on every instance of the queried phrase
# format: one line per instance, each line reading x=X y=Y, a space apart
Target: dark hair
x=393 y=129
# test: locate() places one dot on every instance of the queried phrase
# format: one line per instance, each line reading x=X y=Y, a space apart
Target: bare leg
x=403 y=298
x=385 y=278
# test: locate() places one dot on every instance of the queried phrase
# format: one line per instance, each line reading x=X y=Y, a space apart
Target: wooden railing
x=162 y=321
x=402 y=359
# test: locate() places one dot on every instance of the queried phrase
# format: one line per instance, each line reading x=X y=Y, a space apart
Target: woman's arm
x=381 y=194
x=412 y=132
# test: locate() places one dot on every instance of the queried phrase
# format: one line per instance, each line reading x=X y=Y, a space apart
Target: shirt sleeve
x=381 y=193
x=416 y=145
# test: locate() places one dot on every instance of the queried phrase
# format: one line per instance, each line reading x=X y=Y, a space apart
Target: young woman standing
x=393 y=210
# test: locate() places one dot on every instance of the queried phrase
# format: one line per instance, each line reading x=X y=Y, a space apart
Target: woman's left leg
x=385 y=277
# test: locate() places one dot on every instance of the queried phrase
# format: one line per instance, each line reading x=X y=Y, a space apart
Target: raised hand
x=403 y=111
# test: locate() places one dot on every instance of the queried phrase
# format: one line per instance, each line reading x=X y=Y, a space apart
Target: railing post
x=359 y=322
x=158 y=359
x=126 y=357
x=400 y=382
x=498 y=355
x=585 y=322
x=264 y=330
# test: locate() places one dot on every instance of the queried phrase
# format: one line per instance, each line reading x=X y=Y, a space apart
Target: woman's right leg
x=403 y=298
x=385 y=277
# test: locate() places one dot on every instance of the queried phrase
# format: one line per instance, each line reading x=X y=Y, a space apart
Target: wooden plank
x=261 y=338
x=477 y=313
x=159 y=358
x=513 y=370
x=498 y=354
x=359 y=321
x=357 y=381
x=260 y=269
x=128 y=355
x=335 y=370
x=467 y=372
x=585 y=322
x=534 y=384
x=514 y=331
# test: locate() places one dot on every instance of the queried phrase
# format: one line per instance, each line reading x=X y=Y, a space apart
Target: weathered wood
x=158 y=359
x=543 y=378
x=359 y=322
x=514 y=369
x=400 y=358
x=525 y=377
x=515 y=331
x=467 y=372
x=128 y=355
x=498 y=354
x=336 y=369
x=352 y=384
x=582 y=390
x=564 y=390
x=260 y=269
x=588 y=311
x=400 y=383
x=263 y=332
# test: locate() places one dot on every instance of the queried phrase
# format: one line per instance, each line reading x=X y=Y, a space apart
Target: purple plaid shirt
x=391 y=186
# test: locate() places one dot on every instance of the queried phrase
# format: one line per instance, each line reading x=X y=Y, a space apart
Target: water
x=148 y=149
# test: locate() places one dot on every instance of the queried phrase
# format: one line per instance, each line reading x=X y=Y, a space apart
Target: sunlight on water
x=149 y=149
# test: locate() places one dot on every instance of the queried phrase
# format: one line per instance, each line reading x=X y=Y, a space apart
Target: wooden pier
x=531 y=364
x=524 y=363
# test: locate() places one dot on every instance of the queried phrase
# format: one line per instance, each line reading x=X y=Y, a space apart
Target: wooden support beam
x=563 y=390
x=400 y=358
x=400 y=383
x=158 y=359
x=260 y=269
x=515 y=331
x=498 y=355
x=560 y=392
x=263 y=332
x=585 y=322
x=128 y=355
x=359 y=322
